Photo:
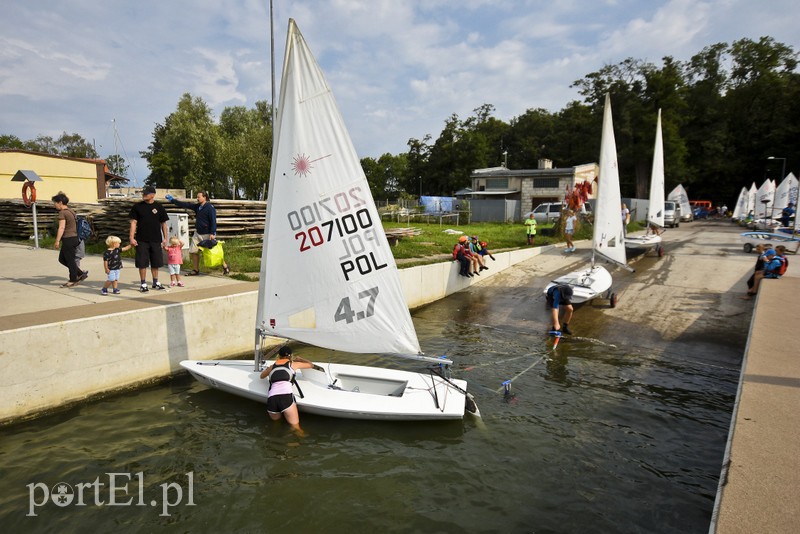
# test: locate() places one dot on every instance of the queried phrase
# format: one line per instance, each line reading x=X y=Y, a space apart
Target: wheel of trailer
x=613 y=300
x=660 y=251
x=748 y=248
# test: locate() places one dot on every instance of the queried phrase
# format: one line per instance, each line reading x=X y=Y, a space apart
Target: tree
x=116 y=165
x=186 y=150
x=247 y=148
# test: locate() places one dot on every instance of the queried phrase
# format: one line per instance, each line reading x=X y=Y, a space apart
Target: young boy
x=112 y=262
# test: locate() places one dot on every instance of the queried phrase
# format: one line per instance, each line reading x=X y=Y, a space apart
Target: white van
x=551 y=211
x=672 y=214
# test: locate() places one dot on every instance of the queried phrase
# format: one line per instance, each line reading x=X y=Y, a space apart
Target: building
x=82 y=179
x=509 y=194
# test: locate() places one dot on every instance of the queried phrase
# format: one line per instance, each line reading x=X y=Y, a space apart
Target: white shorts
x=174 y=268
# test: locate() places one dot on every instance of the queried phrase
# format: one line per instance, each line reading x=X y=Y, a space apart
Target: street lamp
x=783 y=168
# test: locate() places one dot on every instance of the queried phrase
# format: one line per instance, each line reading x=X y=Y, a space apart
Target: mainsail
x=608 y=238
x=655 y=211
x=328 y=277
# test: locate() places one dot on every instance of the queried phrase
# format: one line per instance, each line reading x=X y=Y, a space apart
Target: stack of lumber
x=235 y=218
x=394 y=234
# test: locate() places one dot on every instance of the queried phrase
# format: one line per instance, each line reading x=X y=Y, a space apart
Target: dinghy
x=655 y=210
x=328 y=277
x=608 y=242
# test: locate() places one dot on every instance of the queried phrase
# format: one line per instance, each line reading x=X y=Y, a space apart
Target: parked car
x=672 y=214
x=550 y=211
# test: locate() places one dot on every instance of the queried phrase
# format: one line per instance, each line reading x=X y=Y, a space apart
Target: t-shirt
x=174 y=255
x=114 y=258
x=148 y=219
x=570 y=227
x=70 y=224
x=530 y=223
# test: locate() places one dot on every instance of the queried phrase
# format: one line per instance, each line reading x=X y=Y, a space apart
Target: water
x=594 y=437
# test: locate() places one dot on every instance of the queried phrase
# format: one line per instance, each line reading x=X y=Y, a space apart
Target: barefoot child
x=112 y=262
x=174 y=261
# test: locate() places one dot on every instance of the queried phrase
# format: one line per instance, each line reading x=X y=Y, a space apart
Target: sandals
x=193 y=272
x=226 y=270
x=69 y=284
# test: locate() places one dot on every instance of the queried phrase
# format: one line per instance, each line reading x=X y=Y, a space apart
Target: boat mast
x=260 y=333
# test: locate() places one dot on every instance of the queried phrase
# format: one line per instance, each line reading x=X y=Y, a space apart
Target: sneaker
x=484 y=268
x=158 y=285
x=180 y=284
x=116 y=291
x=104 y=292
x=565 y=330
x=173 y=283
x=143 y=288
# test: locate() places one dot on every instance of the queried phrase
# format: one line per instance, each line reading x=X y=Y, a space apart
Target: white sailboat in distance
x=655 y=210
x=607 y=239
x=328 y=277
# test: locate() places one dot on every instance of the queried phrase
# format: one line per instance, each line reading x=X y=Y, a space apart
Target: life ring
x=29 y=186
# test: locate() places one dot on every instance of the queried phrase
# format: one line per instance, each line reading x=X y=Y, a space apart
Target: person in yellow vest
x=530 y=225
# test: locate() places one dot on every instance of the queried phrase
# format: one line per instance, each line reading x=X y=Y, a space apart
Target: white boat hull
x=650 y=241
x=586 y=284
x=345 y=391
x=752 y=239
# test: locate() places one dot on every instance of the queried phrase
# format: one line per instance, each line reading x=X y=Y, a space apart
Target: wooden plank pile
x=395 y=234
x=235 y=218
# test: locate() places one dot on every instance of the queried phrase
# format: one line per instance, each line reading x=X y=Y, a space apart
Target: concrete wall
x=54 y=365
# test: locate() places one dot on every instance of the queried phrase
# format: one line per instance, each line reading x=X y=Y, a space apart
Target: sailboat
x=655 y=210
x=328 y=277
x=608 y=240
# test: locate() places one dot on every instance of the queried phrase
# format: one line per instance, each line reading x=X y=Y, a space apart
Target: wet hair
x=61 y=197
x=113 y=240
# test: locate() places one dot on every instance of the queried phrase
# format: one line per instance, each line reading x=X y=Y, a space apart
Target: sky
x=398 y=68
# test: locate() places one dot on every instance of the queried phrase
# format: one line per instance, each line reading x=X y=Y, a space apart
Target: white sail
x=655 y=210
x=751 y=198
x=740 y=210
x=785 y=193
x=328 y=277
x=764 y=197
x=680 y=196
x=608 y=240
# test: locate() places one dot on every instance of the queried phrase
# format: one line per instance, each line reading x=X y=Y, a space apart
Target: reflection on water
x=591 y=438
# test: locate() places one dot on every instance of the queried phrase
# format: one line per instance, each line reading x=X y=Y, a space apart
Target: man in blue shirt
x=786 y=214
x=205 y=227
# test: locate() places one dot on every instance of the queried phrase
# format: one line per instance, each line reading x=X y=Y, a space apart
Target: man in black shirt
x=149 y=235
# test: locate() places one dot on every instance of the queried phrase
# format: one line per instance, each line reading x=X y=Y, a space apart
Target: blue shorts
x=113 y=275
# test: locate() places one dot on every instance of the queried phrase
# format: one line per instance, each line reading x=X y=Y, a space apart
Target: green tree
x=117 y=165
x=247 y=148
x=186 y=150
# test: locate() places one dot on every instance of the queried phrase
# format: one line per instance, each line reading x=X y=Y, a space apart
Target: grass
x=244 y=255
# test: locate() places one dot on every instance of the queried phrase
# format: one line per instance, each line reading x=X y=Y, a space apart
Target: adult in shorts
x=557 y=296
x=205 y=227
x=149 y=235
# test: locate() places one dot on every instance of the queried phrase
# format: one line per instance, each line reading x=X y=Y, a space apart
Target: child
x=485 y=251
x=174 y=261
x=112 y=262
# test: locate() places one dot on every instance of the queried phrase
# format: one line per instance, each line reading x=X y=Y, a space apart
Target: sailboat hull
x=586 y=284
x=346 y=391
x=644 y=241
